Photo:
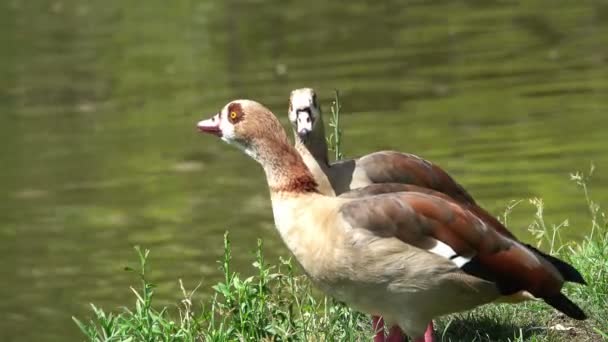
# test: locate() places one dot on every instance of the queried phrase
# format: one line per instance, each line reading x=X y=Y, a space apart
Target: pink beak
x=211 y=126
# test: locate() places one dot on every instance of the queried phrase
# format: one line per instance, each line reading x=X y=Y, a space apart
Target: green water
x=99 y=100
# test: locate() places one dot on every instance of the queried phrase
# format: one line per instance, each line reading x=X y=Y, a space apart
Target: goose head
x=247 y=125
x=304 y=112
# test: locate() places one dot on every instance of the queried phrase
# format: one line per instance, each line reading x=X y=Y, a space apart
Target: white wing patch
x=447 y=252
x=460 y=261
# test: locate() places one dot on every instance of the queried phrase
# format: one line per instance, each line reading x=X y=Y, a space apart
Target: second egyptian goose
x=306 y=119
x=406 y=256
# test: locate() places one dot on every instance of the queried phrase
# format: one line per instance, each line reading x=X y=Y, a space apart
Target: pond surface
x=99 y=100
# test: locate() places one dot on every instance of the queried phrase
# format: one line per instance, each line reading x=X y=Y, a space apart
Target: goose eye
x=233 y=116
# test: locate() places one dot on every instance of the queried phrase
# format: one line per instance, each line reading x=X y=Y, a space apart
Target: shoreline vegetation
x=280 y=304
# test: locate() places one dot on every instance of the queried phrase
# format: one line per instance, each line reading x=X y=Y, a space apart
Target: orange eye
x=233 y=115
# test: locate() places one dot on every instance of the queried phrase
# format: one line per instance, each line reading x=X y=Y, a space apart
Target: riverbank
x=279 y=304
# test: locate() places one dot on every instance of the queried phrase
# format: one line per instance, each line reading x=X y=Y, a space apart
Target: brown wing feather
x=384 y=188
x=418 y=175
x=420 y=219
x=397 y=167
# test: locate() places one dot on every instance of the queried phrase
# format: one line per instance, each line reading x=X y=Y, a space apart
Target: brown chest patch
x=302 y=184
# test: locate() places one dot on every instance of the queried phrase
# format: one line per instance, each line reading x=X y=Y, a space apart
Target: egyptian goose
x=405 y=256
x=413 y=172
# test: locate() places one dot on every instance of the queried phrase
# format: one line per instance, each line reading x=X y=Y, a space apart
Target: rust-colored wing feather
x=566 y=270
x=376 y=189
x=405 y=168
x=421 y=220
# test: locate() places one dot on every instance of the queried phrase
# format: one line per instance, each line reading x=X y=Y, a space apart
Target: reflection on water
x=99 y=101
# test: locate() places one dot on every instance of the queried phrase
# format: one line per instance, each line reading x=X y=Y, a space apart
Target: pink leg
x=428 y=334
x=395 y=334
x=378 y=325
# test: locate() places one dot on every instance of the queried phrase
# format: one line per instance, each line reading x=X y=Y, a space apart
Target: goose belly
x=392 y=279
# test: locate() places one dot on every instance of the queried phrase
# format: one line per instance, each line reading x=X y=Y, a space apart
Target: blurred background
x=99 y=151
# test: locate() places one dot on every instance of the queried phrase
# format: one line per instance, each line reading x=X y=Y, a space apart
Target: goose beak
x=211 y=126
x=303 y=132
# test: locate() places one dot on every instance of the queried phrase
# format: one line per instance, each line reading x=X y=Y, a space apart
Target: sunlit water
x=99 y=99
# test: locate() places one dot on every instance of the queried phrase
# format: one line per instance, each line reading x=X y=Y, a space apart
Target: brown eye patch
x=235 y=113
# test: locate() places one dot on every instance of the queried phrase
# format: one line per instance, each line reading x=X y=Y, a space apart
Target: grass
x=334 y=141
x=279 y=304
x=274 y=305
